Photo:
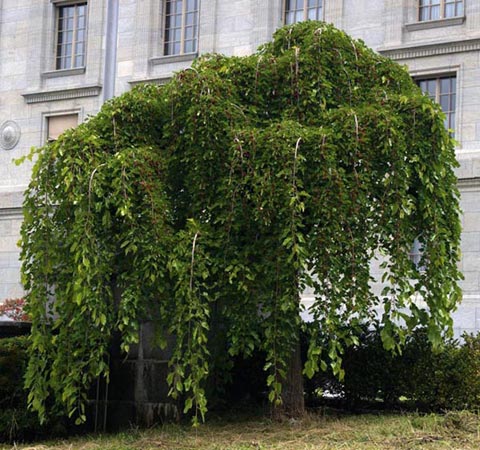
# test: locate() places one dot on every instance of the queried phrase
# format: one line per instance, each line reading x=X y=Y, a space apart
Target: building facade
x=61 y=59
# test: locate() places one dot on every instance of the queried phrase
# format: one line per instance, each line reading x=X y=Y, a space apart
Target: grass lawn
x=455 y=430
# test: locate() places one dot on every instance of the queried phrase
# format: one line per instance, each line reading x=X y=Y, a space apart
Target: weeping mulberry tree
x=220 y=197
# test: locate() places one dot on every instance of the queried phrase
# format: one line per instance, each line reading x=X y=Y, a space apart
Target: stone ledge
x=63 y=72
x=433 y=49
x=472 y=184
x=62 y=94
x=11 y=213
x=160 y=80
x=440 y=23
x=169 y=59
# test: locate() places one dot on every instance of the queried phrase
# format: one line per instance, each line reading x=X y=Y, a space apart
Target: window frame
x=58 y=58
x=46 y=115
x=320 y=6
x=443 y=6
x=438 y=93
x=183 y=28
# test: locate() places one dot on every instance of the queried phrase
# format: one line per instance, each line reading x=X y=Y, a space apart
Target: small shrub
x=17 y=423
x=418 y=378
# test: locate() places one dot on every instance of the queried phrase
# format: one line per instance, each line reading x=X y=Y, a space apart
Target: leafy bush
x=16 y=422
x=419 y=378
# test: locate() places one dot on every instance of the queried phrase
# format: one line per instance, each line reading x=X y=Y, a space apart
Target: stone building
x=61 y=59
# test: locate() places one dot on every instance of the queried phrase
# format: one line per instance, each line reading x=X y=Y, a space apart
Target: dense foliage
x=418 y=378
x=16 y=422
x=218 y=198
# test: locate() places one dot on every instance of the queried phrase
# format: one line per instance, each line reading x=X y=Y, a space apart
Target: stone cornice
x=62 y=94
x=434 y=49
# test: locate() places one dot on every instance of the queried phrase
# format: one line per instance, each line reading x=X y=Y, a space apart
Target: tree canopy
x=220 y=196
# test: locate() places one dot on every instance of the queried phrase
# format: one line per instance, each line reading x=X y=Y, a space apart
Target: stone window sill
x=428 y=24
x=63 y=72
x=173 y=58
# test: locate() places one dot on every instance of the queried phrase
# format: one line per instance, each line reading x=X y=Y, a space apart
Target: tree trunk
x=293 y=404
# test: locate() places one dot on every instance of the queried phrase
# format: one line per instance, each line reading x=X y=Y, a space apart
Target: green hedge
x=16 y=422
x=418 y=378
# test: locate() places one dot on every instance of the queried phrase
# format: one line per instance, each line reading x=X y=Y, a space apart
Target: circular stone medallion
x=9 y=134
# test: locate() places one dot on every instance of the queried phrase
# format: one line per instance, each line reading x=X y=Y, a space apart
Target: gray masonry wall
x=31 y=89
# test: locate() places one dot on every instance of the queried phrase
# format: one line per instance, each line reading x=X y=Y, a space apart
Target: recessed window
x=301 y=10
x=439 y=9
x=443 y=90
x=71 y=36
x=181 y=26
x=56 y=125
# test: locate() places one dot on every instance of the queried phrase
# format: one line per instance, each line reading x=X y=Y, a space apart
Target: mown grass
x=454 y=430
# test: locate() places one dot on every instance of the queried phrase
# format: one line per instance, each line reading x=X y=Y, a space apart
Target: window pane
x=190 y=19
x=178 y=7
x=189 y=33
x=79 y=61
x=459 y=9
x=79 y=48
x=312 y=14
x=189 y=47
x=424 y=13
x=289 y=18
x=432 y=88
x=435 y=12
x=299 y=4
x=177 y=35
x=445 y=102
x=445 y=85
x=450 y=10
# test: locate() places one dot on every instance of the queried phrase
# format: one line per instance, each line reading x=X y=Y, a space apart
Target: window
x=443 y=91
x=71 y=36
x=56 y=125
x=300 y=10
x=439 y=9
x=181 y=26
